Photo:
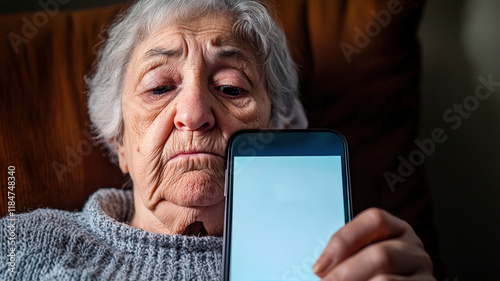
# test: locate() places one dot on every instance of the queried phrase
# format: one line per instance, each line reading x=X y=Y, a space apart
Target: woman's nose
x=193 y=109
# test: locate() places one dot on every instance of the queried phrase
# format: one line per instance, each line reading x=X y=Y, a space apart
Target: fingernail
x=317 y=267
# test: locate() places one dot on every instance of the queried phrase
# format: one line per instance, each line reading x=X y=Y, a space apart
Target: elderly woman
x=174 y=81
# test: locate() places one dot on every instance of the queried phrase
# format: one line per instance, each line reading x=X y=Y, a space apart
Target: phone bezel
x=229 y=179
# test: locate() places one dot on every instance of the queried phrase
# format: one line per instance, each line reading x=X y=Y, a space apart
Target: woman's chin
x=197 y=189
x=191 y=220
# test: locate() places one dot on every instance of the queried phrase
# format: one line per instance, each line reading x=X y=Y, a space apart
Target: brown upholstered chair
x=359 y=65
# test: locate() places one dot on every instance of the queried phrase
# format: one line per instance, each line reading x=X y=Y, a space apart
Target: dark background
x=460 y=41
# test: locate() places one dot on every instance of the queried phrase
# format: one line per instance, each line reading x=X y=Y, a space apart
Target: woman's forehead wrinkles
x=217 y=45
x=174 y=42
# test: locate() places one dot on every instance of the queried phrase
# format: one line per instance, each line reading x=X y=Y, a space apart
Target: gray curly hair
x=253 y=24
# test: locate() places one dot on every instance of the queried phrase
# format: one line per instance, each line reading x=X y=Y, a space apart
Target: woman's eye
x=161 y=89
x=230 y=90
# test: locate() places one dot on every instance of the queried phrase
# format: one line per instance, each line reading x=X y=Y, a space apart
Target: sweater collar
x=108 y=212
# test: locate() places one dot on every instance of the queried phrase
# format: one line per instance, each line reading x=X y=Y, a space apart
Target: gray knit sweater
x=97 y=244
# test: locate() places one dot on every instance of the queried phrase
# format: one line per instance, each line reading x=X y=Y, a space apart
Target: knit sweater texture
x=98 y=244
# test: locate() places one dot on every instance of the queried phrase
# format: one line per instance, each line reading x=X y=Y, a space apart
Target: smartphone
x=287 y=192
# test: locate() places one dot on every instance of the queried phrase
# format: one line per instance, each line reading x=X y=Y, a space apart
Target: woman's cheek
x=145 y=135
x=135 y=117
x=248 y=112
x=255 y=115
x=149 y=125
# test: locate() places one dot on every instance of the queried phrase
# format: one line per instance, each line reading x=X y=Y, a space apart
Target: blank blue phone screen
x=285 y=209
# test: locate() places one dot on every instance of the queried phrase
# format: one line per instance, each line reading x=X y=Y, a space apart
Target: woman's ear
x=122 y=160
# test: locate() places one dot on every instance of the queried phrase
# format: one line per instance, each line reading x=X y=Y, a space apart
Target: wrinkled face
x=189 y=86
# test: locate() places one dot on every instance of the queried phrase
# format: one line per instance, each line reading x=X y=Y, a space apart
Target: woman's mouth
x=194 y=154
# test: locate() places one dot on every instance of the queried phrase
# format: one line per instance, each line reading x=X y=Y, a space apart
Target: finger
x=369 y=226
x=386 y=257
x=390 y=277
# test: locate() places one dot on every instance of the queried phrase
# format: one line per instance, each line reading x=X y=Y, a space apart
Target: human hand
x=375 y=246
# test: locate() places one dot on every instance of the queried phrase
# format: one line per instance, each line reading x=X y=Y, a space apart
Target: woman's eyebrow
x=234 y=53
x=152 y=53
